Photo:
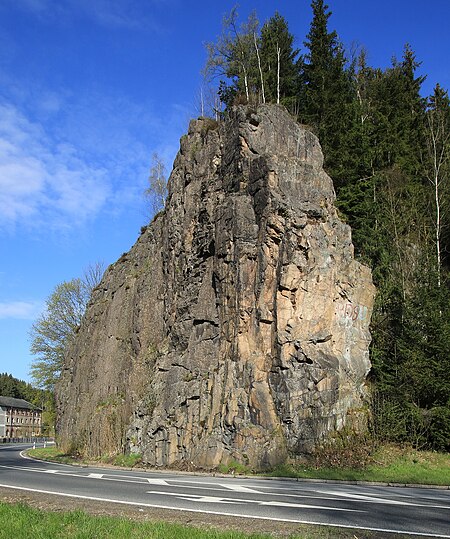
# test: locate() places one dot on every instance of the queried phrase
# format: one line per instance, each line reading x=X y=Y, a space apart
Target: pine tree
x=400 y=115
x=388 y=153
x=9 y=386
x=388 y=210
x=279 y=62
x=326 y=91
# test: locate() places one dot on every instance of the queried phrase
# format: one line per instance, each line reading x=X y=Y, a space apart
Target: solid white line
x=222 y=513
x=210 y=499
x=26 y=457
x=369 y=499
x=40 y=470
x=34 y=470
x=22 y=454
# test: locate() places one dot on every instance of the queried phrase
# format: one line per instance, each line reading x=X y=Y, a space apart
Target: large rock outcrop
x=237 y=325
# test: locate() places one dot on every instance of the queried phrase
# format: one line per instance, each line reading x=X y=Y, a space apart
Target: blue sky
x=90 y=89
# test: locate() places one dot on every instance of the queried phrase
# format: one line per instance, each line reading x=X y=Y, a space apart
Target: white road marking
x=326 y=495
x=118 y=478
x=22 y=468
x=305 y=506
x=155 y=481
x=374 y=499
x=241 y=488
x=22 y=454
x=210 y=499
x=223 y=513
x=214 y=499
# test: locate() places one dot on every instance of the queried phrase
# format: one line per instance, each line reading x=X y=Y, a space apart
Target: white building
x=19 y=418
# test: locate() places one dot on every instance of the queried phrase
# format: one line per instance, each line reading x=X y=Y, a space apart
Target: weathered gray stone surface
x=236 y=328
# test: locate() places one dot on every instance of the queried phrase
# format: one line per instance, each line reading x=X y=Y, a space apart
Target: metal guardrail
x=28 y=440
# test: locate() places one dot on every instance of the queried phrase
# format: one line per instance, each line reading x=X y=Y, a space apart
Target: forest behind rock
x=387 y=149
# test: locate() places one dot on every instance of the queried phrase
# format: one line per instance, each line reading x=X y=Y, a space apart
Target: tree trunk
x=278 y=74
x=260 y=69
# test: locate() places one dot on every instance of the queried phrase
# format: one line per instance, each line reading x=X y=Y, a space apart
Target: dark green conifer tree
x=326 y=91
x=279 y=59
x=400 y=115
x=388 y=153
x=8 y=386
x=389 y=211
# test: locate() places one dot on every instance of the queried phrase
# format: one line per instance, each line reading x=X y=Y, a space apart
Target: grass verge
x=388 y=464
x=20 y=521
x=53 y=454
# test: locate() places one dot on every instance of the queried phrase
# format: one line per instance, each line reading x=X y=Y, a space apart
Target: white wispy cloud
x=23 y=310
x=43 y=182
x=65 y=159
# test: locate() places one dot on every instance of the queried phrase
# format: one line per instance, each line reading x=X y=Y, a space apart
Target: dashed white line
x=155 y=481
x=240 y=488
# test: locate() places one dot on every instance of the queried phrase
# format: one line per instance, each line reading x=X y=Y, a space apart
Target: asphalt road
x=413 y=511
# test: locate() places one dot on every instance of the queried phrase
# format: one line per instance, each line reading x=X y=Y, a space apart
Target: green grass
x=53 y=454
x=390 y=464
x=127 y=461
x=19 y=521
x=234 y=467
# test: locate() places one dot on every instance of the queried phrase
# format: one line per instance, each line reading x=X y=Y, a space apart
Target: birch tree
x=156 y=191
x=233 y=58
x=261 y=77
x=54 y=330
x=278 y=59
x=438 y=148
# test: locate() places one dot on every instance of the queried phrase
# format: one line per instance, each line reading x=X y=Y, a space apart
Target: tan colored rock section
x=236 y=328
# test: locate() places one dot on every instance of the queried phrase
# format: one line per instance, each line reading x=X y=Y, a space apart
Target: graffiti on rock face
x=348 y=311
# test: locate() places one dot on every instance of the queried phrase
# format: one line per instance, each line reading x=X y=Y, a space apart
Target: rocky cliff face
x=237 y=325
